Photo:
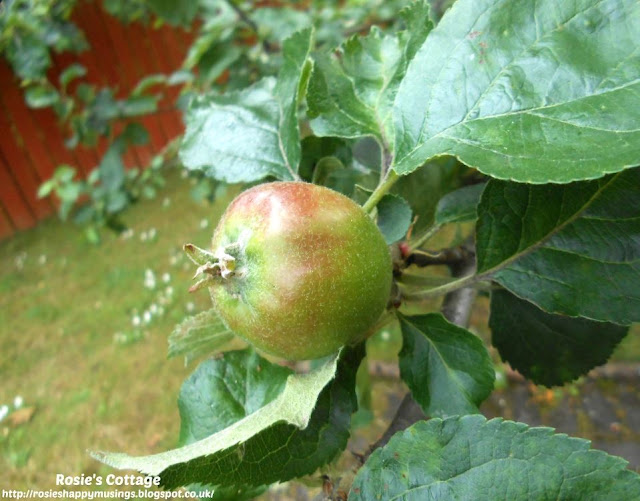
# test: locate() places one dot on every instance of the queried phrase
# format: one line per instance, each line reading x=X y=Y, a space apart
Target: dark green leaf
x=351 y=93
x=70 y=73
x=248 y=135
x=135 y=133
x=529 y=91
x=459 y=205
x=175 y=13
x=469 y=458
x=40 y=96
x=447 y=369
x=324 y=168
x=316 y=148
x=394 y=217
x=570 y=249
x=216 y=59
x=201 y=334
x=300 y=430
x=225 y=390
x=423 y=188
x=549 y=349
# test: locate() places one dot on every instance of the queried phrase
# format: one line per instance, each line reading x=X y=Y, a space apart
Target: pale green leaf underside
x=534 y=92
x=571 y=249
x=251 y=134
x=294 y=406
x=446 y=367
x=469 y=458
x=200 y=334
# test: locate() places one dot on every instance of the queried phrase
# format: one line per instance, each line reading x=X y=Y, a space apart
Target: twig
x=457 y=309
x=249 y=22
x=449 y=257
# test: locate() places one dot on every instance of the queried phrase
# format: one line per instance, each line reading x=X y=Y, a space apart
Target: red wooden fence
x=31 y=142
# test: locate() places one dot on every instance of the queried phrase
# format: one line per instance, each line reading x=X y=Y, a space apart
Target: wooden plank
x=6 y=227
x=12 y=199
x=21 y=145
x=128 y=76
x=149 y=65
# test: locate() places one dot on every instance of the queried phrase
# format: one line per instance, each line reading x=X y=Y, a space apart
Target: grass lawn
x=69 y=347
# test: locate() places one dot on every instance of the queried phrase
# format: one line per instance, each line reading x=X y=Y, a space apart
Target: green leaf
x=135 y=133
x=29 y=57
x=225 y=390
x=41 y=96
x=469 y=458
x=314 y=149
x=174 y=13
x=139 y=105
x=70 y=73
x=291 y=436
x=248 y=135
x=549 y=349
x=535 y=92
x=460 y=205
x=570 y=249
x=351 y=92
x=423 y=188
x=221 y=392
x=394 y=217
x=324 y=168
x=45 y=189
x=276 y=23
x=447 y=369
x=111 y=169
x=201 y=334
x=147 y=82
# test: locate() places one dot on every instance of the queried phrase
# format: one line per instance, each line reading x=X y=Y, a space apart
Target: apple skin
x=311 y=271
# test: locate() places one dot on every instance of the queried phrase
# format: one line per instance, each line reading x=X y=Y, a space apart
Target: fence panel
x=31 y=141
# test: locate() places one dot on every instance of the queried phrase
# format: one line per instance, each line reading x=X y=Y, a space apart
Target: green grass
x=68 y=346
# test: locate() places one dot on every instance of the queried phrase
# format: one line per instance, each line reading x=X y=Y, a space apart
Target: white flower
x=149 y=279
x=4 y=410
x=169 y=290
x=190 y=306
x=135 y=320
x=42 y=260
x=146 y=317
x=152 y=233
x=166 y=278
x=204 y=223
x=18 y=401
x=153 y=308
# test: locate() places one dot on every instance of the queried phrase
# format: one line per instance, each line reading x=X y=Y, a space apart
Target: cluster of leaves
x=490 y=118
x=235 y=46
